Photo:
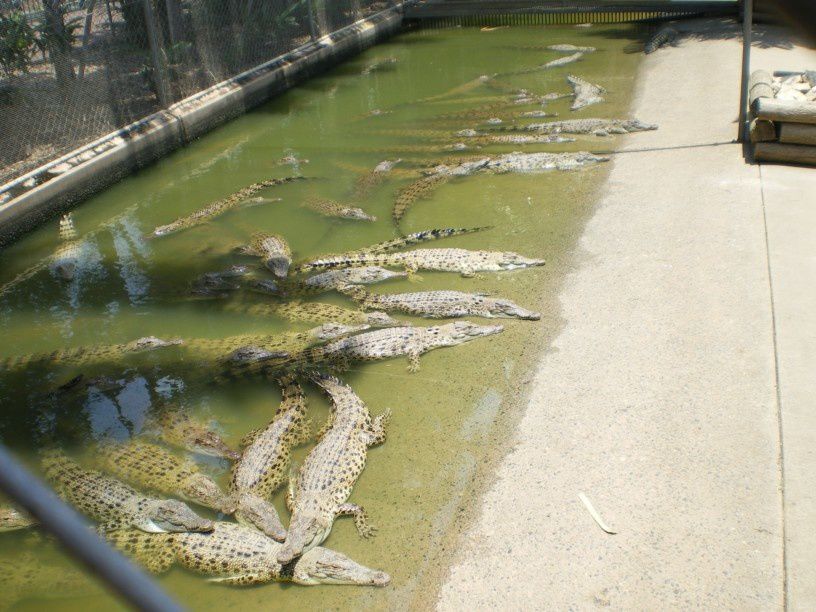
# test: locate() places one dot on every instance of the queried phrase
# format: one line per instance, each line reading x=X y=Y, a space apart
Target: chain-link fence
x=74 y=70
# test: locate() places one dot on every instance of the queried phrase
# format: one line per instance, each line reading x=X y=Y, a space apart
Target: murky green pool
x=449 y=420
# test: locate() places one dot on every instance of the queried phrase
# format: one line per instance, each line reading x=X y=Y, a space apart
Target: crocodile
x=331 y=208
x=378 y=65
x=567 y=48
x=177 y=427
x=210 y=212
x=148 y=465
x=556 y=63
x=274 y=250
x=228 y=350
x=440 y=304
x=597 y=127
x=375 y=177
x=586 y=93
x=23 y=576
x=466 y=262
x=417 y=190
x=113 y=503
x=523 y=163
x=88 y=355
x=65 y=259
x=391 y=342
x=319 y=491
x=326 y=281
x=664 y=36
x=238 y=555
x=218 y=284
x=12 y=519
x=315 y=312
x=264 y=463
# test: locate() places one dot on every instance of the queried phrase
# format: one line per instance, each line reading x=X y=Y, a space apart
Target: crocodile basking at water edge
x=215 y=209
x=88 y=355
x=150 y=466
x=318 y=493
x=114 y=504
x=177 y=427
x=264 y=463
x=466 y=262
x=440 y=304
x=597 y=127
x=238 y=555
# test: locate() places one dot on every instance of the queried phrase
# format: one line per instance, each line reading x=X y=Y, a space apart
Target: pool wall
x=67 y=180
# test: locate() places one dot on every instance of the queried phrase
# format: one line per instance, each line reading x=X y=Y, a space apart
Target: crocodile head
x=636 y=125
x=514 y=261
x=65 y=268
x=323 y=566
x=464 y=331
x=498 y=307
x=170 y=515
x=278 y=265
x=148 y=343
x=201 y=489
x=305 y=532
x=209 y=443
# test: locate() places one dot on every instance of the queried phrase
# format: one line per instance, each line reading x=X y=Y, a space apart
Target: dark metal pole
x=159 y=72
x=55 y=517
x=747 y=21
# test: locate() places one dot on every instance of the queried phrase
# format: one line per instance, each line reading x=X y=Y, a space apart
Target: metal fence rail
x=71 y=71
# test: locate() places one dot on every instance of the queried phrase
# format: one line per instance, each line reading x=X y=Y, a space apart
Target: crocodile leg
x=259 y=513
x=413 y=362
x=364 y=528
x=376 y=432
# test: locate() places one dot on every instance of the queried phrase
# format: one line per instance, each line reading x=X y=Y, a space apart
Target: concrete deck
x=695 y=293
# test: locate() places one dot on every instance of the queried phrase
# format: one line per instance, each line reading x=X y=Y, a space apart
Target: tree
x=56 y=37
x=17 y=42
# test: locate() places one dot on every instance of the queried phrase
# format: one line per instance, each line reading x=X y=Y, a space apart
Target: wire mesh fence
x=74 y=70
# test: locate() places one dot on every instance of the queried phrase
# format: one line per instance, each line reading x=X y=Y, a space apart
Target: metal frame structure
x=747 y=23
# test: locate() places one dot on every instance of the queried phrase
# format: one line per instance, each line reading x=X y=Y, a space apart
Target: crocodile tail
x=358 y=294
x=67 y=231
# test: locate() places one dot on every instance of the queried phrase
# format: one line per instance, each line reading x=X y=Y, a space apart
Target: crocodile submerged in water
x=88 y=355
x=370 y=180
x=24 y=576
x=326 y=281
x=331 y=208
x=65 y=259
x=466 y=262
x=12 y=519
x=177 y=427
x=218 y=284
x=238 y=555
x=511 y=162
x=315 y=312
x=114 y=504
x=597 y=127
x=264 y=463
x=273 y=250
x=585 y=92
x=150 y=466
x=318 y=493
x=215 y=209
x=440 y=304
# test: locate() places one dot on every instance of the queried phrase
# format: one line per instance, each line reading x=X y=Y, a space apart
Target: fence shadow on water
x=74 y=70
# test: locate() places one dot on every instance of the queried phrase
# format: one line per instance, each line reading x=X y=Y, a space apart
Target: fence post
x=747 y=22
x=313 y=20
x=159 y=72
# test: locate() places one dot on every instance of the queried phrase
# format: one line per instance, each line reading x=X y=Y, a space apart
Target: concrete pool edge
x=658 y=398
x=71 y=178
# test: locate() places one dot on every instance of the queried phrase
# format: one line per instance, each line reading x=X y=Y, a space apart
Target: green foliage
x=50 y=39
x=17 y=43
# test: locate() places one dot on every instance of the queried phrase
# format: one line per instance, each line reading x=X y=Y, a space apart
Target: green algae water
x=450 y=420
